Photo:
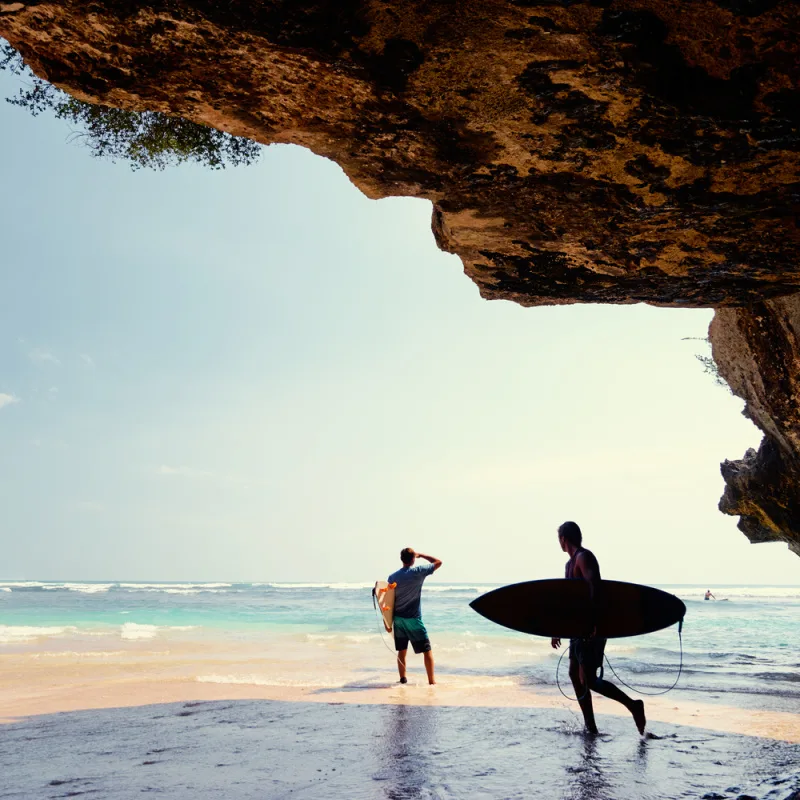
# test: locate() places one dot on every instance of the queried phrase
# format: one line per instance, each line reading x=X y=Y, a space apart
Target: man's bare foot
x=431 y=683
x=404 y=679
x=638 y=715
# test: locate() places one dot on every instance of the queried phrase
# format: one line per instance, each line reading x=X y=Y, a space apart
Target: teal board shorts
x=410 y=629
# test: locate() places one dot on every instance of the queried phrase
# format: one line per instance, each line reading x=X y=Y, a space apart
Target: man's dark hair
x=571 y=532
x=407 y=555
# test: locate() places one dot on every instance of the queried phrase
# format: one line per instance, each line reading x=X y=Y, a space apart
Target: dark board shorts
x=588 y=653
x=410 y=629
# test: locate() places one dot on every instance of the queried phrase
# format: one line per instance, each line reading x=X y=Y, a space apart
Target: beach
x=118 y=691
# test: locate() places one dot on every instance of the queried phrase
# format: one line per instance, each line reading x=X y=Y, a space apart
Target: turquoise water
x=744 y=643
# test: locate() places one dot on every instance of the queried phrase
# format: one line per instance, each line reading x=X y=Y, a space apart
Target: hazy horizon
x=365 y=584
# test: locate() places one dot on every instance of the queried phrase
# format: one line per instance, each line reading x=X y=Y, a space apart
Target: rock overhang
x=614 y=151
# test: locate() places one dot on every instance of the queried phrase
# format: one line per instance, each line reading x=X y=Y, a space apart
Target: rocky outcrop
x=757 y=350
x=603 y=151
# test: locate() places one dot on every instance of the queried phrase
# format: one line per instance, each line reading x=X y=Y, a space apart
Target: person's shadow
x=409 y=745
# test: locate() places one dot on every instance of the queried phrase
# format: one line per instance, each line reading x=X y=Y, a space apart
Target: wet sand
x=242 y=749
x=57 y=695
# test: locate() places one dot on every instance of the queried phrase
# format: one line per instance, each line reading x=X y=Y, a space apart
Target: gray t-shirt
x=408 y=592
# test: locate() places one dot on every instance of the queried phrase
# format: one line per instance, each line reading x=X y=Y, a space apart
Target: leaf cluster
x=709 y=365
x=142 y=138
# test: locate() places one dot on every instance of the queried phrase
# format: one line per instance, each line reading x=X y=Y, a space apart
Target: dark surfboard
x=560 y=608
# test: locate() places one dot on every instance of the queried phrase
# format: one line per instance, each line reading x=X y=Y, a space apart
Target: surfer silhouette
x=586 y=655
x=408 y=625
x=708 y=595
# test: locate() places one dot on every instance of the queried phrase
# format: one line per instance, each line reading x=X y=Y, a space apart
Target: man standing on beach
x=586 y=655
x=408 y=625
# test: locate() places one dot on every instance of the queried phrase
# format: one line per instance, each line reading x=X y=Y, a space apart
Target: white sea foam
x=53 y=586
x=259 y=680
x=351 y=638
x=316 y=585
x=88 y=588
x=464 y=647
x=477 y=682
x=450 y=681
x=135 y=630
x=4 y=589
x=737 y=592
x=28 y=633
x=23 y=584
x=174 y=587
x=86 y=654
x=450 y=588
x=428 y=588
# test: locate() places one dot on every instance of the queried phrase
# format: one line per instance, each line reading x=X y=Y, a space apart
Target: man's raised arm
x=435 y=561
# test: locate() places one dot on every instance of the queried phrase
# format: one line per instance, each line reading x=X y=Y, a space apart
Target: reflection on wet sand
x=589 y=782
x=409 y=739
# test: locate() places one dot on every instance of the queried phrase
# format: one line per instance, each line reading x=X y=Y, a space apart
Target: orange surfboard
x=383 y=598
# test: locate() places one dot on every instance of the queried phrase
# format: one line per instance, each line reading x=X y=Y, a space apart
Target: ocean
x=104 y=653
x=744 y=643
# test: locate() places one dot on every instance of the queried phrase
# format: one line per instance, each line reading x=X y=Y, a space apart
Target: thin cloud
x=41 y=356
x=87 y=360
x=7 y=399
x=184 y=472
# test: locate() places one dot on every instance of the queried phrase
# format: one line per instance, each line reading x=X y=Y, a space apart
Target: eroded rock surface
x=603 y=151
x=757 y=350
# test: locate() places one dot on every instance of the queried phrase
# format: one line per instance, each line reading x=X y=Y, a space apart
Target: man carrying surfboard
x=408 y=625
x=586 y=655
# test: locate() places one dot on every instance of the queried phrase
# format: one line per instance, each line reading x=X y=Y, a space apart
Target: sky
x=260 y=374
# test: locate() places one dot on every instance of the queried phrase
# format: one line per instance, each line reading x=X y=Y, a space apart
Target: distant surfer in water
x=708 y=595
x=586 y=655
x=408 y=625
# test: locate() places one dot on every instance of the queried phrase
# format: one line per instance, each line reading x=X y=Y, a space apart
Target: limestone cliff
x=605 y=151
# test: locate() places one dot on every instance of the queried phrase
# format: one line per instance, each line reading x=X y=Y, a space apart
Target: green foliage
x=709 y=365
x=10 y=59
x=142 y=138
x=710 y=368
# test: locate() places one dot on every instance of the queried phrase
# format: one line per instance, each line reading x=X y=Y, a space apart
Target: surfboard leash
x=633 y=689
x=382 y=629
x=575 y=699
x=663 y=691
